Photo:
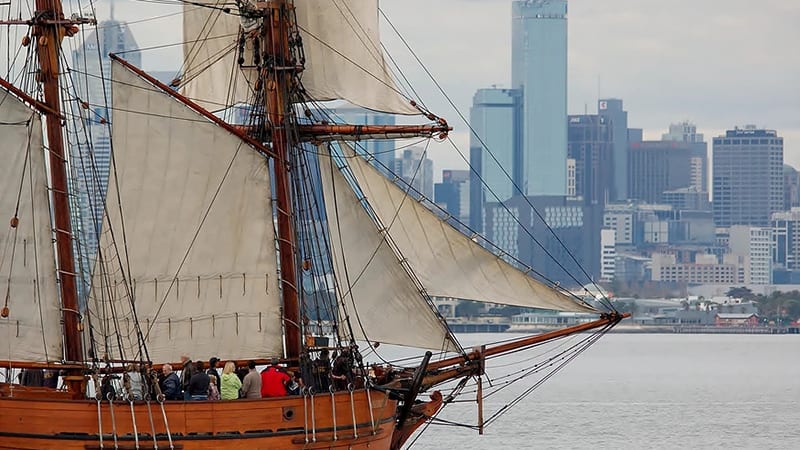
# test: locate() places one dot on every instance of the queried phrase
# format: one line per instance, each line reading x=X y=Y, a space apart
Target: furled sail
x=32 y=330
x=341 y=41
x=448 y=263
x=197 y=238
x=382 y=300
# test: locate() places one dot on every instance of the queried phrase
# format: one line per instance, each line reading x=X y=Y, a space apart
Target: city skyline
x=712 y=73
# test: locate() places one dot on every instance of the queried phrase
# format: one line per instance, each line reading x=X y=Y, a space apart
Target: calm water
x=644 y=391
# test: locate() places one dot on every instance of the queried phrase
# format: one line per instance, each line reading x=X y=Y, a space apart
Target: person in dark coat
x=198 y=384
x=171 y=384
x=186 y=375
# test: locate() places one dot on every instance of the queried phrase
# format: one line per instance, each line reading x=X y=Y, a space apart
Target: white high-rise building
x=91 y=146
x=753 y=245
x=608 y=254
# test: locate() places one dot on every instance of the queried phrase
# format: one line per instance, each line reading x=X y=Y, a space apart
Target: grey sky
x=717 y=63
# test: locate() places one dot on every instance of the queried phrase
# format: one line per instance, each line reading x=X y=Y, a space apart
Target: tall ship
x=213 y=229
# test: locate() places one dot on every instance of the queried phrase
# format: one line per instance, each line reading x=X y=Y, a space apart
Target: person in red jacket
x=274 y=380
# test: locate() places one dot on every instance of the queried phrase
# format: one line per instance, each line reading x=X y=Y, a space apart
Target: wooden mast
x=49 y=29
x=275 y=30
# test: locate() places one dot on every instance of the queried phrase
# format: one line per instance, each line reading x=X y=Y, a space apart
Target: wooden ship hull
x=365 y=419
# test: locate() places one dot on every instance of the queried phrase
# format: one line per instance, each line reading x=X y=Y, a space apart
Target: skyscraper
x=416 y=169
x=539 y=70
x=494 y=150
x=453 y=193
x=687 y=132
x=617 y=118
x=92 y=84
x=590 y=144
x=657 y=166
x=748 y=176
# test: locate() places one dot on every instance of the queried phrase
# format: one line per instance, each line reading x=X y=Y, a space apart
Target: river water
x=641 y=391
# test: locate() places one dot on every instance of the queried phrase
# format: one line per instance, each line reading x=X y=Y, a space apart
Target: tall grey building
x=611 y=109
x=92 y=84
x=748 y=176
x=657 y=166
x=590 y=144
x=686 y=132
x=539 y=69
x=453 y=193
x=416 y=169
x=495 y=149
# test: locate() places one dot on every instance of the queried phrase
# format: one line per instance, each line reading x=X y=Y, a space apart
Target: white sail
x=448 y=263
x=383 y=303
x=211 y=75
x=198 y=235
x=32 y=331
x=341 y=41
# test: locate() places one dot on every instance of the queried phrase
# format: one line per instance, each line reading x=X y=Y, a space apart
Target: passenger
x=295 y=384
x=107 y=389
x=342 y=371
x=134 y=386
x=274 y=380
x=198 y=384
x=32 y=377
x=171 y=384
x=230 y=382
x=321 y=368
x=213 y=393
x=212 y=370
x=251 y=387
x=186 y=375
x=51 y=379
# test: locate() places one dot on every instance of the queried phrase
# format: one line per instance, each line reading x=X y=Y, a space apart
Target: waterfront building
x=495 y=149
x=453 y=193
x=705 y=269
x=612 y=111
x=539 y=70
x=748 y=176
x=590 y=144
x=754 y=247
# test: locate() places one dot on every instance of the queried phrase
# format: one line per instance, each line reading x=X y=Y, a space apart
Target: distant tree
x=740 y=292
x=467 y=308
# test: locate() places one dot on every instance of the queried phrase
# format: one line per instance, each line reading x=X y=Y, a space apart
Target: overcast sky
x=717 y=63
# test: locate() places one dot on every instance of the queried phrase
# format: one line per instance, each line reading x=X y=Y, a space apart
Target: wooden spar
x=479 y=394
x=48 y=36
x=237 y=131
x=343 y=132
x=39 y=106
x=275 y=30
x=460 y=366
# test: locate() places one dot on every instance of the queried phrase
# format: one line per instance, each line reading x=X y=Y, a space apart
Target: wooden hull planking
x=275 y=423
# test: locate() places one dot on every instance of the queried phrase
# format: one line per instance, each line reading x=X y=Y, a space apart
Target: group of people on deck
x=198 y=382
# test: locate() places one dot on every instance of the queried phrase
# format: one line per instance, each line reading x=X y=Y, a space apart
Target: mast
x=278 y=83
x=49 y=29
